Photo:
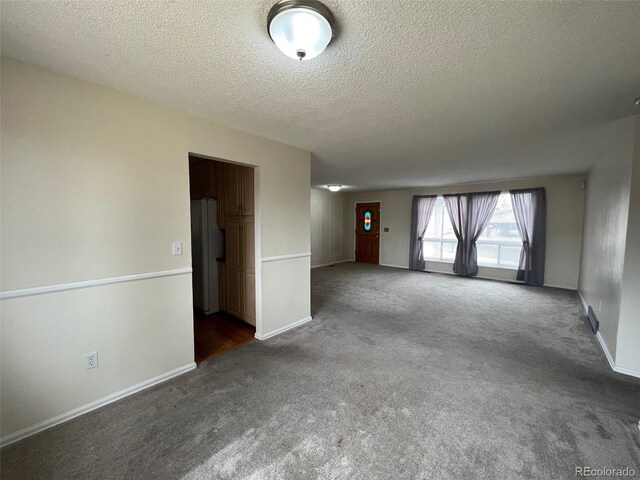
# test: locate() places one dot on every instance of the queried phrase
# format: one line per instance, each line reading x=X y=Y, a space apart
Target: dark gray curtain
x=421 y=210
x=469 y=213
x=530 y=210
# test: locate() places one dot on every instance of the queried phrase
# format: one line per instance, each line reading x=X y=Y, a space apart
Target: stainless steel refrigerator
x=207 y=244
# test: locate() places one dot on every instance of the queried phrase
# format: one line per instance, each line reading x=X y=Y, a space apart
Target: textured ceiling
x=410 y=93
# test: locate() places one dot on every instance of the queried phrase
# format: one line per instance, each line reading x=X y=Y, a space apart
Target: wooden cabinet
x=222 y=286
x=233 y=239
x=235 y=188
x=202 y=178
x=219 y=190
x=232 y=190
x=249 y=269
x=235 y=303
x=247 y=190
x=249 y=288
x=248 y=244
x=234 y=275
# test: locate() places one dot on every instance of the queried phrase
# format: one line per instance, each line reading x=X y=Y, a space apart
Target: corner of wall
x=604 y=236
x=628 y=338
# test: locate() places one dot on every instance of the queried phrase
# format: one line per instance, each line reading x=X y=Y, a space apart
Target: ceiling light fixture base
x=301 y=29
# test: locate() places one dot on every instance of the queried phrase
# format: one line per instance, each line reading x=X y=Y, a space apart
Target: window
x=367 y=220
x=500 y=243
x=439 y=242
x=498 y=246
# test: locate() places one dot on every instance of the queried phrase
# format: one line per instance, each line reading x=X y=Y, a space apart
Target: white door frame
x=258 y=230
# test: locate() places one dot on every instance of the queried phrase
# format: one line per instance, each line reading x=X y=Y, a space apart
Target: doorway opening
x=223 y=255
x=367 y=232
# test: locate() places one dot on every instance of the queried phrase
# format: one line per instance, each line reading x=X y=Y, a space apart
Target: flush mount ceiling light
x=301 y=29
x=334 y=188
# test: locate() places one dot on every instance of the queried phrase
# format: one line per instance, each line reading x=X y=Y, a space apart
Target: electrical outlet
x=90 y=360
x=177 y=248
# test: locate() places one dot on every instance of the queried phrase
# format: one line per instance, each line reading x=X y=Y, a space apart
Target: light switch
x=386 y=229
x=177 y=248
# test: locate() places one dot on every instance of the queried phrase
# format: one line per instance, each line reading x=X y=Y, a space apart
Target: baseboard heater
x=593 y=320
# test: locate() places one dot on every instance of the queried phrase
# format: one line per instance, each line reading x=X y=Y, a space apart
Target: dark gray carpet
x=400 y=375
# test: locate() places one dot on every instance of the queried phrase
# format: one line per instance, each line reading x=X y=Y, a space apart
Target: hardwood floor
x=218 y=333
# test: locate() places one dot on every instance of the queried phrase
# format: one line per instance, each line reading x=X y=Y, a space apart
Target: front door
x=368 y=232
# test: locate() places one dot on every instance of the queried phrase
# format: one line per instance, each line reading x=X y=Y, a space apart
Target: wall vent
x=593 y=320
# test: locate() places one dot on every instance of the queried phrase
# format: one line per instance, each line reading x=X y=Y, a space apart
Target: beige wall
x=628 y=341
x=95 y=185
x=565 y=202
x=138 y=328
x=328 y=227
x=605 y=228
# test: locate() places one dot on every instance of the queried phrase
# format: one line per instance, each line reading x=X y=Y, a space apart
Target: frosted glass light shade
x=334 y=188
x=300 y=33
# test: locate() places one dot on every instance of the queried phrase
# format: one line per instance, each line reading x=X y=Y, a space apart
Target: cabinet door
x=249 y=269
x=235 y=296
x=219 y=192
x=249 y=290
x=222 y=286
x=234 y=292
x=202 y=179
x=233 y=240
x=248 y=244
x=247 y=191
x=209 y=177
x=232 y=190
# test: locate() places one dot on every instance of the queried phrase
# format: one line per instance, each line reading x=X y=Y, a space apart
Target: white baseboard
x=283 y=329
x=585 y=306
x=562 y=287
x=482 y=277
x=331 y=263
x=612 y=363
x=627 y=371
x=277 y=258
x=605 y=349
x=39 y=427
x=393 y=266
